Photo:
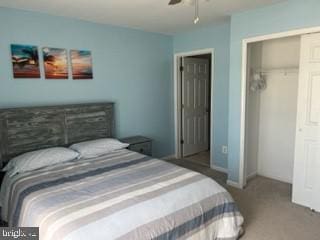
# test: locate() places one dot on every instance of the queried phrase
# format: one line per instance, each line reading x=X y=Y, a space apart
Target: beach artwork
x=25 y=61
x=55 y=63
x=81 y=62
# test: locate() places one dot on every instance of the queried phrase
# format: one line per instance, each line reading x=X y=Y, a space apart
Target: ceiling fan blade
x=173 y=2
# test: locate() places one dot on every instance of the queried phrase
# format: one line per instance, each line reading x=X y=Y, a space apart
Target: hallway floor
x=202 y=158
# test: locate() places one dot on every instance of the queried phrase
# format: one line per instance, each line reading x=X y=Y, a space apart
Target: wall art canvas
x=25 y=61
x=55 y=63
x=81 y=64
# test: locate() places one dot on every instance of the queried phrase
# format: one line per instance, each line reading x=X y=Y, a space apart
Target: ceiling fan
x=190 y=2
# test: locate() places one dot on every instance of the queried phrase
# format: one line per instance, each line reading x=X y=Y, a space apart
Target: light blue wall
x=216 y=37
x=131 y=68
x=280 y=17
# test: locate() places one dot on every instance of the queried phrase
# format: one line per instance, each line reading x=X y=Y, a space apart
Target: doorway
x=193 y=106
x=271 y=109
x=280 y=117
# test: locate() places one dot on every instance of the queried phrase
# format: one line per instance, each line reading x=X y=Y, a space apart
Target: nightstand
x=139 y=144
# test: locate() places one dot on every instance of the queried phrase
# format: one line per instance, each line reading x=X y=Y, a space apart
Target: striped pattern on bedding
x=122 y=195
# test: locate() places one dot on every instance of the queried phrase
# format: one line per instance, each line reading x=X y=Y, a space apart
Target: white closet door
x=195 y=87
x=306 y=180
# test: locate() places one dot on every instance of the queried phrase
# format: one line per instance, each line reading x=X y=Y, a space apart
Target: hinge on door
x=182 y=141
x=181 y=68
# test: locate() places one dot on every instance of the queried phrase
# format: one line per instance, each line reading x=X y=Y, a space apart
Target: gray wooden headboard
x=31 y=128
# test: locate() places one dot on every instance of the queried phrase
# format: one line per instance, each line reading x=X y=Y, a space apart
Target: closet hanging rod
x=276 y=70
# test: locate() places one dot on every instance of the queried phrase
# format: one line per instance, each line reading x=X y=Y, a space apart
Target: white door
x=195 y=105
x=306 y=179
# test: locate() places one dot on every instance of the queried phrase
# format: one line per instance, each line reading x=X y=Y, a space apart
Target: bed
x=119 y=195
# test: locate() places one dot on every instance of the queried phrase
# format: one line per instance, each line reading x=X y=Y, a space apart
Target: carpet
x=267 y=208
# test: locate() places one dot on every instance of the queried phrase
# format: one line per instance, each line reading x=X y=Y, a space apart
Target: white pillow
x=38 y=159
x=96 y=148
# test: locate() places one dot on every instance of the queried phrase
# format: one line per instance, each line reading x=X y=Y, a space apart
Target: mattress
x=120 y=195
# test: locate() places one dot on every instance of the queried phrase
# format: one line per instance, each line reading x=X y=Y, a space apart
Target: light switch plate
x=224 y=149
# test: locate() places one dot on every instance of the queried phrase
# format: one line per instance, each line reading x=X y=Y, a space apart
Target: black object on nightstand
x=2 y=223
x=139 y=144
x=1 y=176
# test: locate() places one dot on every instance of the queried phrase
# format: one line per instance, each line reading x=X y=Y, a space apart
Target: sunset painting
x=55 y=63
x=81 y=64
x=25 y=61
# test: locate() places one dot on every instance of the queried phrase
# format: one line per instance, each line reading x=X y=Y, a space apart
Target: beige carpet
x=267 y=208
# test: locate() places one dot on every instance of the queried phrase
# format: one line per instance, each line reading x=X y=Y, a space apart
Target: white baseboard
x=277 y=178
x=234 y=184
x=252 y=175
x=219 y=169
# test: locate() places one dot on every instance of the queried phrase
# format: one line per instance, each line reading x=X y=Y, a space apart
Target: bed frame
x=32 y=128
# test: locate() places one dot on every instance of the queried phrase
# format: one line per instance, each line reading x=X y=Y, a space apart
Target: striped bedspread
x=121 y=195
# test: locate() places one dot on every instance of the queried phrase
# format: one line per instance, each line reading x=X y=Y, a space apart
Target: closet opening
x=280 y=112
x=271 y=108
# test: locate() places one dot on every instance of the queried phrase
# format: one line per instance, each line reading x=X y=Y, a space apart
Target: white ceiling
x=148 y=15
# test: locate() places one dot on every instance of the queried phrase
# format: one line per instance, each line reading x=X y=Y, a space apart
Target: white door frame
x=177 y=91
x=245 y=42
